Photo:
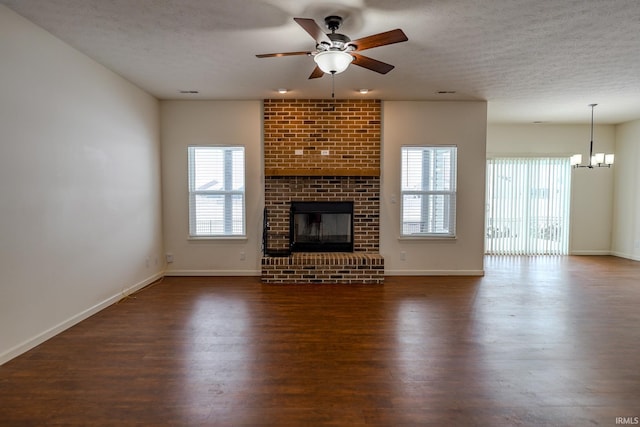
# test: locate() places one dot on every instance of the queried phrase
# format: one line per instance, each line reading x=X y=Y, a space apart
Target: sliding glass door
x=527 y=206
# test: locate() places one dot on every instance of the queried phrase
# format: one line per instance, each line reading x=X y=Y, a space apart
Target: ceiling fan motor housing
x=333 y=22
x=338 y=42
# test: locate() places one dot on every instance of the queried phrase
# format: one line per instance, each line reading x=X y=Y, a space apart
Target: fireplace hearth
x=321 y=227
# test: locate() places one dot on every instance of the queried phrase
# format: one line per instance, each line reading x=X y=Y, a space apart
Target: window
x=216 y=191
x=429 y=191
x=527 y=206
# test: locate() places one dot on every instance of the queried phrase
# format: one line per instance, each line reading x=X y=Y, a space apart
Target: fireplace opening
x=321 y=227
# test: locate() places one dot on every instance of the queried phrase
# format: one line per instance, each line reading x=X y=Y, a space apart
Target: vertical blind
x=216 y=191
x=429 y=191
x=527 y=206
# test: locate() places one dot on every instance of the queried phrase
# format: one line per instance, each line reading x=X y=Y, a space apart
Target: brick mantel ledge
x=367 y=172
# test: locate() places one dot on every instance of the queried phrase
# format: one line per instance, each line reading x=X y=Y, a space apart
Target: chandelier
x=598 y=160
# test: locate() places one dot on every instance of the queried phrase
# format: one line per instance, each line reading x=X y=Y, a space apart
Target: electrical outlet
x=403 y=256
x=169 y=258
x=243 y=256
x=324 y=152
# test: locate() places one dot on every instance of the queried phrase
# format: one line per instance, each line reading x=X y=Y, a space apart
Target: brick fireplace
x=322 y=151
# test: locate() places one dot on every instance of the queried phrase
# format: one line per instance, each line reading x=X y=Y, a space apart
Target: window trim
x=454 y=193
x=192 y=194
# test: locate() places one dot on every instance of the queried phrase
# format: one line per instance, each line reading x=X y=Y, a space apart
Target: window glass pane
x=429 y=213
x=438 y=208
x=238 y=214
x=209 y=214
x=238 y=170
x=441 y=178
x=208 y=171
x=412 y=169
x=412 y=222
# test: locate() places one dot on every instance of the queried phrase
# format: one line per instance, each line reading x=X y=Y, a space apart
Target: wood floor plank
x=537 y=341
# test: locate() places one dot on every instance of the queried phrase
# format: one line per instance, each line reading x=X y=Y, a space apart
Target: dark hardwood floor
x=538 y=341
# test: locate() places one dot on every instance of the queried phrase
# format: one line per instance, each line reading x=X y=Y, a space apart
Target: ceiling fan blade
x=272 y=55
x=371 y=64
x=314 y=30
x=381 y=39
x=317 y=72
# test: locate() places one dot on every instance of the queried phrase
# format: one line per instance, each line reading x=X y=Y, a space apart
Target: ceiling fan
x=334 y=51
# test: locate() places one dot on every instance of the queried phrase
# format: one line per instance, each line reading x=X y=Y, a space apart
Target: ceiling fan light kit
x=333 y=61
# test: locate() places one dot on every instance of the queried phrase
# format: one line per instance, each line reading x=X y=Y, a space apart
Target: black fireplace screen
x=321 y=227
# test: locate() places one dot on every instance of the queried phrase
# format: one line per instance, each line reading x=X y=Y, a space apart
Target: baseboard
x=212 y=273
x=434 y=272
x=598 y=252
x=625 y=255
x=257 y=273
x=74 y=320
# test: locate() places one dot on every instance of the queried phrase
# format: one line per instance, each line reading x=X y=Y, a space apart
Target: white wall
x=591 y=189
x=79 y=186
x=185 y=123
x=458 y=123
x=626 y=220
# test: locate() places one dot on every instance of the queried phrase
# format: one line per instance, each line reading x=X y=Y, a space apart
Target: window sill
x=217 y=238
x=443 y=238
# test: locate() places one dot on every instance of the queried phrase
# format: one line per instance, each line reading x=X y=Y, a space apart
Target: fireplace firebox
x=321 y=227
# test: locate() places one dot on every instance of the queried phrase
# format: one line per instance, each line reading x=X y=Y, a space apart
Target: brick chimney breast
x=310 y=137
x=323 y=150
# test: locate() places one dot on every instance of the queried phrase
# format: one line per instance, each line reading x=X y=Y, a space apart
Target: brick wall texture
x=338 y=268
x=348 y=129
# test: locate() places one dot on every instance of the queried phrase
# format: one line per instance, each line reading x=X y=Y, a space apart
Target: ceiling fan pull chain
x=333 y=86
x=333 y=90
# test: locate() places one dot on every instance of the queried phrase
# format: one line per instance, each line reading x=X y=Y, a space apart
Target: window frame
x=452 y=193
x=193 y=193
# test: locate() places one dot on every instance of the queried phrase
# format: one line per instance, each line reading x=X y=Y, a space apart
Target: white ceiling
x=532 y=60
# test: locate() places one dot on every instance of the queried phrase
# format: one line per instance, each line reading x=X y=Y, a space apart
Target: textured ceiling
x=532 y=60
